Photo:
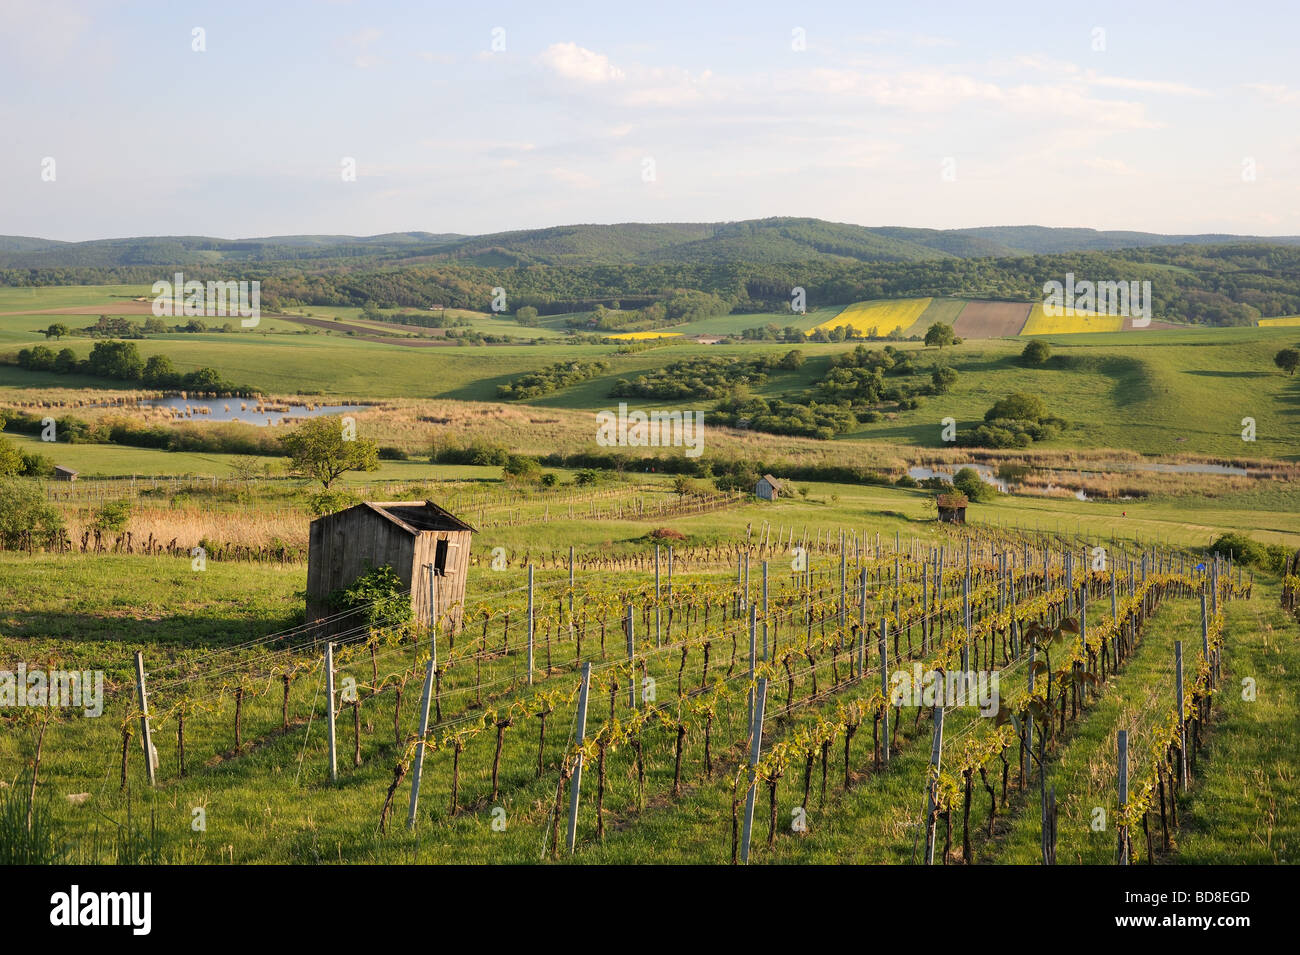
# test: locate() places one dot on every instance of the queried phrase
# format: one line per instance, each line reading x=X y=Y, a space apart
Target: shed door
x=440 y=558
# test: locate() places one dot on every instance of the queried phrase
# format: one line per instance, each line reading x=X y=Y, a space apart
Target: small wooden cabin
x=408 y=536
x=952 y=508
x=64 y=474
x=768 y=488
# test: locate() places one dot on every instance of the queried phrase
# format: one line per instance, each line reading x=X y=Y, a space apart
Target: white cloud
x=581 y=65
x=1274 y=92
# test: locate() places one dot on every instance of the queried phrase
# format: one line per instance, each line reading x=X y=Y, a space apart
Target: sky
x=239 y=119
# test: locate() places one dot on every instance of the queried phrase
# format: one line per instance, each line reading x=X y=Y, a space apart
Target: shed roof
x=772 y=481
x=953 y=500
x=64 y=470
x=411 y=516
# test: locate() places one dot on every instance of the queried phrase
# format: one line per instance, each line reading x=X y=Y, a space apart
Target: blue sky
x=1178 y=117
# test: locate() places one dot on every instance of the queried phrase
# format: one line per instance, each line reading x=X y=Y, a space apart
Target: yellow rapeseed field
x=1040 y=324
x=884 y=316
x=1279 y=322
x=641 y=336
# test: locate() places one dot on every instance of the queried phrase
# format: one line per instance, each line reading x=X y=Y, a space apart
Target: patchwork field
x=879 y=318
x=943 y=310
x=991 y=319
x=1039 y=323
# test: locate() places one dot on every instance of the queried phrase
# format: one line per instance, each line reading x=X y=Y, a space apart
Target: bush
x=1241 y=549
x=331 y=502
x=1018 y=407
x=112 y=516
x=968 y=481
x=378 y=595
x=389 y=453
x=1035 y=353
x=24 y=514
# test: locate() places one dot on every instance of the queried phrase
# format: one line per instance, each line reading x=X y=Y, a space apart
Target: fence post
x=755 y=749
x=1205 y=637
x=329 y=694
x=531 y=619
x=425 y=698
x=1121 y=850
x=1182 y=722
x=753 y=646
x=658 y=610
x=631 y=659
x=570 y=591
x=936 y=755
x=145 y=738
x=580 y=733
x=884 y=687
x=764 y=611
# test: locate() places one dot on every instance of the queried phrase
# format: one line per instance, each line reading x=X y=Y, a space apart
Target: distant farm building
x=768 y=488
x=64 y=474
x=952 y=508
x=411 y=537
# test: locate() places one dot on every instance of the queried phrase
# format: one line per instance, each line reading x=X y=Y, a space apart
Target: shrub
x=1035 y=353
x=968 y=481
x=24 y=513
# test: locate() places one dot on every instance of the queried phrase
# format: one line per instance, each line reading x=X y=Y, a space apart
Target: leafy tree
x=968 y=481
x=526 y=316
x=792 y=360
x=158 y=371
x=1018 y=407
x=317 y=449
x=944 y=378
x=116 y=359
x=1288 y=359
x=65 y=361
x=57 y=330
x=940 y=334
x=1036 y=352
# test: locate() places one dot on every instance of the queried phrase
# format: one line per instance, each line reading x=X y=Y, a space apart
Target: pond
x=247 y=410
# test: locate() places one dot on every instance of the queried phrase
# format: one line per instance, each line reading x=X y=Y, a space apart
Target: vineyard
x=747 y=702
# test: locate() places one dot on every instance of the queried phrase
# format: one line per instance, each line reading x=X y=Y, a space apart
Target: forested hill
x=759 y=241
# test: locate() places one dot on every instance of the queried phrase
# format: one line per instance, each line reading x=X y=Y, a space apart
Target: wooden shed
x=768 y=488
x=952 y=508
x=64 y=474
x=405 y=535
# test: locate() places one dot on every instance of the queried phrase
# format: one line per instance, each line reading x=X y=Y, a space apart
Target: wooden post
x=570 y=591
x=884 y=687
x=658 y=610
x=579 y=734
x=329 y=694
x=764 y=611
x=1121 y=850
x=417 y=770
x=531 y=621
x=862 y=626
x=753 y=646
x=936 y=755
x=755 y=749
x=1205 y=636
x=631 y=660
x=145 y=739
x=1182 y=722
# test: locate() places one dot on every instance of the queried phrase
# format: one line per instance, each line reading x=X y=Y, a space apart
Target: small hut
x=64 y=474
x=412 y=537
x=768 y=488
x=952 y=508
